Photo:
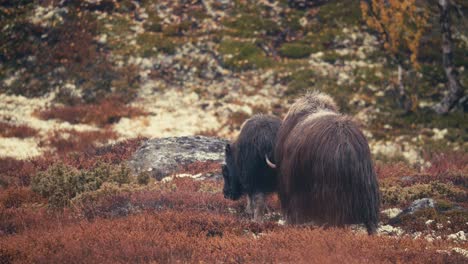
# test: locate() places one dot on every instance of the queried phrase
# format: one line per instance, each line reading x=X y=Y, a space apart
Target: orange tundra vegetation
x=172 y=236
x=188 y=220
x=19 y=131
x=68 y=140
x=107 y=111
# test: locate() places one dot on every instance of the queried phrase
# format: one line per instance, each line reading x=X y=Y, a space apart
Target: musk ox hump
x=312 y=102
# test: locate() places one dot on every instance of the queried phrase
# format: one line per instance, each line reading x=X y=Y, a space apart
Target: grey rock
x=415 y=206
x=418 y=205
x=163 y=156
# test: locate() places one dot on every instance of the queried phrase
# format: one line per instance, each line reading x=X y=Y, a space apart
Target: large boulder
x=161 y=157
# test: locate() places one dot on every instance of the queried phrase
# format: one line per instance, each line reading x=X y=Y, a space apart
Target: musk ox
x=326 y=175
x=246 y=170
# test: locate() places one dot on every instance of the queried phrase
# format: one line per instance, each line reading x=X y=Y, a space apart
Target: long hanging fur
x=325 y=166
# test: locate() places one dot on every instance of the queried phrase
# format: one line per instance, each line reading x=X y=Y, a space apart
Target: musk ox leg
x=371 y=228
x=259 y=206
x=249 y=209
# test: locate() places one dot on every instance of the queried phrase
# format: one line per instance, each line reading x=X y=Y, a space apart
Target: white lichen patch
x=171 y=114
x=182 y=175
x=461 y=251
x=397 y=148
x=21 y=110
x=459 y=236
x=392 y=212
x=390 y=230
x=19 y=148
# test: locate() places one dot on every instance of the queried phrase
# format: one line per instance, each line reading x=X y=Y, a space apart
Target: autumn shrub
x=14 y=197
x=205 y=237
x=68 y=53
x=452 y=163
x=68 y=140
x=143 y=178
x=110 y=200
x=107 y=111
x=394 y=170
x=16 y=172
x=116 y=153
x=19 y=131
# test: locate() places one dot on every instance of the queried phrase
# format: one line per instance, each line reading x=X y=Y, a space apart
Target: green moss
x=345 y=13
x=250 y=25
x=177 y=29
x=395 y=195
x=151 y=43
x=300 y=82
x=153 y=23
x=240 y=56
x=295 y=50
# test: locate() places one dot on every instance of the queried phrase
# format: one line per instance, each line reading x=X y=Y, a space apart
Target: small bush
x=108 y=201
x=61 y=183
x=143 y=178
x=58 y=184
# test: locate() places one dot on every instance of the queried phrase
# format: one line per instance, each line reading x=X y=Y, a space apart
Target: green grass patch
x=296 y=50
x=240 y=56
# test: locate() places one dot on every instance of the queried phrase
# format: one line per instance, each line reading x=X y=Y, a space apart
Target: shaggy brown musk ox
x=246 y=171
x=326 y=175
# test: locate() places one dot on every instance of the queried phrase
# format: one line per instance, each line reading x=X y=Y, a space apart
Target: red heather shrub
x=113 y=154
x=200 y=167
x=205 y=237
x=68 y=140
x=19 y=131
x=106 y=112
x=448 y=163
x=16 y=172
x=393 y=170
x=14 y=197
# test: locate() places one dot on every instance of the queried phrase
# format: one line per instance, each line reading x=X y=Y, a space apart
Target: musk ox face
x=232 y=187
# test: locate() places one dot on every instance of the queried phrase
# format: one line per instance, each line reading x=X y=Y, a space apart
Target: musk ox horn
x=271 y=164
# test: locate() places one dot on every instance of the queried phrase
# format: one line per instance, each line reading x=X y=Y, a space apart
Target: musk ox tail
x=326 y=174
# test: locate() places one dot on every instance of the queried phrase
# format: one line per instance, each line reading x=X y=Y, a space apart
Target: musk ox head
x=232 y=188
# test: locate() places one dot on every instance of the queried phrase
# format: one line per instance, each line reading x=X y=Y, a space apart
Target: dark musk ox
x=326 y=175
x=246 y=170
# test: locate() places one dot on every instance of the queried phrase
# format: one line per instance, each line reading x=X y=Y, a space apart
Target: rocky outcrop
x=163 y=156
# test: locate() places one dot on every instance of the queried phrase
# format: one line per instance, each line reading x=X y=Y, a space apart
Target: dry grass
x=65 y=141
x=19 y=131
x=107 y=111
